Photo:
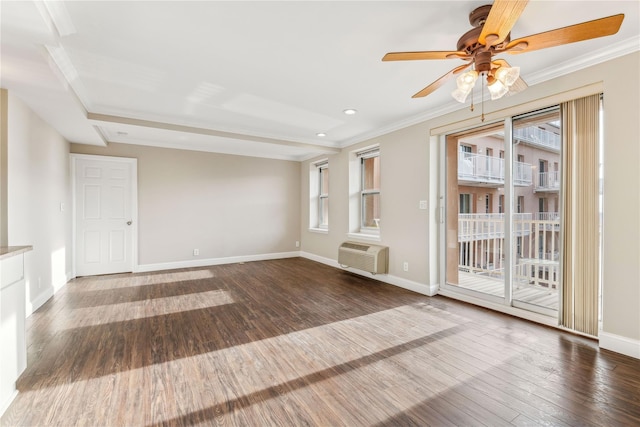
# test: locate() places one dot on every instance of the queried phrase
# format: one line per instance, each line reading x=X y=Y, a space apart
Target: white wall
x=409 y=170
x=38 y=182
x=224 y=205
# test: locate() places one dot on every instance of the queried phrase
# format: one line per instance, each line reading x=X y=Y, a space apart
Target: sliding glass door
x=475 y=168
x=502 y=216
x=536 y=222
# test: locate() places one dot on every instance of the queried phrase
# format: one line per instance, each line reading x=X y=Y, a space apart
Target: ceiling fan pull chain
x=482 y=97
x=472 y=91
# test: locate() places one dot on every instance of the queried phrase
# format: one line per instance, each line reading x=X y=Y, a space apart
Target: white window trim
x=321 y=195
x=314 y=196
x=357 y=231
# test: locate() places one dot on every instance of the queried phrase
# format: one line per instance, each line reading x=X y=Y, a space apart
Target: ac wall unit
x=363 y=256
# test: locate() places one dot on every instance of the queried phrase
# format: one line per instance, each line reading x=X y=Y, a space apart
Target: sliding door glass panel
x=536 y=217
x=475 y=222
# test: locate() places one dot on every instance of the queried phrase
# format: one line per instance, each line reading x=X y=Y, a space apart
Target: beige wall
x=408 y=174
x=403 y=184
x=223 y=205
x=38 y=182
x=4 y=100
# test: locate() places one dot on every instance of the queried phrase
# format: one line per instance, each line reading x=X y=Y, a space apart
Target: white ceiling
x=260 y=78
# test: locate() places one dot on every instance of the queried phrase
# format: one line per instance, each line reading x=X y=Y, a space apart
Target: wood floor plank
x=294 y=342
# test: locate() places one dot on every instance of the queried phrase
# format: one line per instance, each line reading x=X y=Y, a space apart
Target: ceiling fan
x=490 y=37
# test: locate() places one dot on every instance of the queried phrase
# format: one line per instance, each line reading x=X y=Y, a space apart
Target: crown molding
x=613 y=51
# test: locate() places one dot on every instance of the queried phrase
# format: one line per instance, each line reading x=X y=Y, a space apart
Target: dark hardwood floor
x=292 y=343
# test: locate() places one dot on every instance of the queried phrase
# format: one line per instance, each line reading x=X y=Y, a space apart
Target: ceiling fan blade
x=442 y=80
x=571 y=34
x=502 y=17
x=435 y=54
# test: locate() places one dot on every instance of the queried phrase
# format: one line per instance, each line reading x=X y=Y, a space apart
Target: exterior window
x=370 y=191
x=323 y=195
x=501 y=204
x=465 y=203
x=520 y=206
x=542 y=205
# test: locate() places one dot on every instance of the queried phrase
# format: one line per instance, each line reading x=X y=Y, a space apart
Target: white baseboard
x=145 y=268
x=620 y=344
x=7 y=402
x=32 y=306
x=421 y=288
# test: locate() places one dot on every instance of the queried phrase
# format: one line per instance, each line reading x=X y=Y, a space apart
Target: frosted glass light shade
x=508 y=75
x=466 y=81
x=497 y=89
x=461 y=95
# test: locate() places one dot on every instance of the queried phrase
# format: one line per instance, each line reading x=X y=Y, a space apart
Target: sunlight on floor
x=96 y=283
x=126 y=311
x=346 y=357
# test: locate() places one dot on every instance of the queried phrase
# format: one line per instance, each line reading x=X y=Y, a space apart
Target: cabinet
x=13 y=345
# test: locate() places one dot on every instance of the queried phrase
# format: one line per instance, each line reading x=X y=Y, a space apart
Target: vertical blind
x=581 y=220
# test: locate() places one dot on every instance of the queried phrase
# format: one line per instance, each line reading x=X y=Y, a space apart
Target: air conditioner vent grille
x=355 y=246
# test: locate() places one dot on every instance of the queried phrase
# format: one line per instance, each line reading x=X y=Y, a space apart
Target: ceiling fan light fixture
x=466 y=81
x=497 y=89
x=507 y=75
x=460 y=95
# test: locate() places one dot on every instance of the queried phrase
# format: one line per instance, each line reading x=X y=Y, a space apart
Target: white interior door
x=104 y=202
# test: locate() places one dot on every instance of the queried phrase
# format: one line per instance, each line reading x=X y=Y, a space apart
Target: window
x=370 y=190
x=543 y=178
x=465 y=203
x=501 y=203
x=323 y=195
x=520 y=206
x=319 y=196
x=542 y=205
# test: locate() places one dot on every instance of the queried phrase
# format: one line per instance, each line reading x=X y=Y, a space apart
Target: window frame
x=314 y=196
x=323 y=196
x=362 y=156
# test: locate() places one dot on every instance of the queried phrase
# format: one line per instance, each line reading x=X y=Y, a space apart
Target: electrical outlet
x=297 y=244
x=196 y=252
x=405 y=266
x=422 y=204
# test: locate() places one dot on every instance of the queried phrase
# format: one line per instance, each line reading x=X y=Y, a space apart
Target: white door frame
x=134 y=204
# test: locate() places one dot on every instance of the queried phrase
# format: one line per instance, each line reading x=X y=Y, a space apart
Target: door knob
x=128 y=222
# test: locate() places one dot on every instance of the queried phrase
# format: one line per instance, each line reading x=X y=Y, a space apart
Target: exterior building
x=536 y=207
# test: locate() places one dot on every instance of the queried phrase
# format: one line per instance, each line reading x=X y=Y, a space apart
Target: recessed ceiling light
x=350 y=111
x=321 y=134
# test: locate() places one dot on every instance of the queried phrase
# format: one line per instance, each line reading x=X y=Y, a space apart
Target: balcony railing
x=548 y=181
x=481 y=246
x=487 y=169
x=537 y=136
x=491 y=226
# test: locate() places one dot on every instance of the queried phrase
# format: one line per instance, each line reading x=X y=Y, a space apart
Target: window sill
x=319 y=230
x=364 y=236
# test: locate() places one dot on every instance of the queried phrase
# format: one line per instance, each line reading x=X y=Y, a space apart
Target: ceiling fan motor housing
x=483 y=61
x=469 y=41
